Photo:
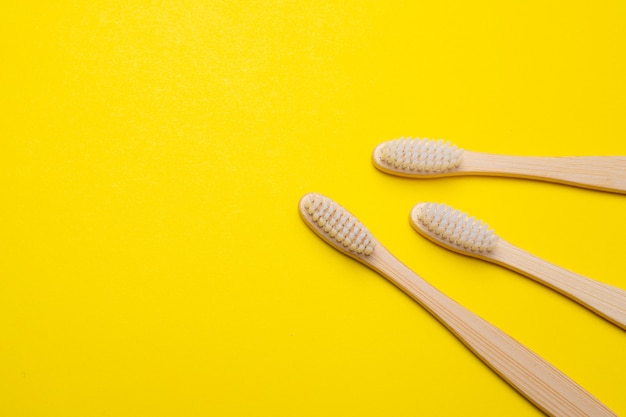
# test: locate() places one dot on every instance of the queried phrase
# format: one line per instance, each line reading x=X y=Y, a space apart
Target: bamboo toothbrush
x=457 y=231
x=541 y=383
x=423 y=158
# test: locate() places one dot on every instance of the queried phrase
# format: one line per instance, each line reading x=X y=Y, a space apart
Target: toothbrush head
x=453 y=229
x=336 y=225
x=417 y=157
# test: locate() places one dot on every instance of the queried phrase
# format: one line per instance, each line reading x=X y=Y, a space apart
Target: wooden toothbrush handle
x=605 y=300
x=545 y=386
x=606 y=173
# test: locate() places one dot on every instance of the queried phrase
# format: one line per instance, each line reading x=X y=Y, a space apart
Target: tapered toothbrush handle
x=606 y=173
x=605 y=300
x=545 y=386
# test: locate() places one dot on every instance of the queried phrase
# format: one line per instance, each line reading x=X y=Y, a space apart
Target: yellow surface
x=153 y=262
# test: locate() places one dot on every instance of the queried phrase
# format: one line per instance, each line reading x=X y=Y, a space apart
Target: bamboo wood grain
x=544 y=385
x=603 y=299
x=604 y=173
x=541 y=383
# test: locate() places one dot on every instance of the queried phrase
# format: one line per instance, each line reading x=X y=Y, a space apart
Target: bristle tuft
x=457 y=228
x=425 y=156
x=340 y=225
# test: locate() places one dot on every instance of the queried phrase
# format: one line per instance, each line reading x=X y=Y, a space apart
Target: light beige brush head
x=336 y=225
x=453 y=229
x=417 y=157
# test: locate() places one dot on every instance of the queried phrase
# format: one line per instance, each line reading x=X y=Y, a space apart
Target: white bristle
x=457 y=228
x=340 y=225
x=421 y=155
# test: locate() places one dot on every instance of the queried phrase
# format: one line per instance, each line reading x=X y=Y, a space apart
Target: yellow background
x=152 y=259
